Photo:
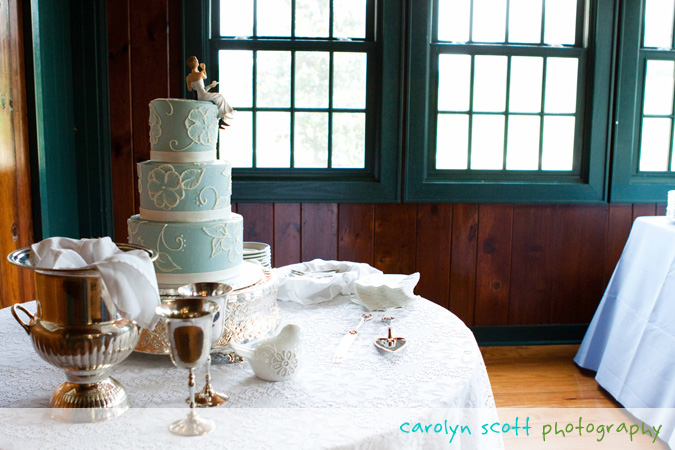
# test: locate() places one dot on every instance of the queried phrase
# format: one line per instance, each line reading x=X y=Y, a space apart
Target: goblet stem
x=191 y=383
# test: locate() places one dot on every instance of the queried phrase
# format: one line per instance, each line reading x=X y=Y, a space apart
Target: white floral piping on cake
x=237 y=248
x=220 y=238
x=219 y=203
x=284 y=363
x=164 y=263
x=170 y=113
x=202 y=128
x=166 y=187
x=134 y=237
x=155 y=125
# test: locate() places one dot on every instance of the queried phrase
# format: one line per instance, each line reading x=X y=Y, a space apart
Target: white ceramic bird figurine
x=278 y=358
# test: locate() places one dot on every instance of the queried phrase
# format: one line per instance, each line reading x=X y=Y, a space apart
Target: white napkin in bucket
x=128 y=276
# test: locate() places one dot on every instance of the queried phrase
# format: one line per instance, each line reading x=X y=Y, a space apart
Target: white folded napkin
x=317 y=285
x=128 y=276
x=382 y=292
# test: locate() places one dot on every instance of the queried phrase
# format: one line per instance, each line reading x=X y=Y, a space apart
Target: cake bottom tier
x=192 y=252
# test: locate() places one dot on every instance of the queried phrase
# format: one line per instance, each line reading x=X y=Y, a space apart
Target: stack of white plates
x=258 y=251
x=670 y=207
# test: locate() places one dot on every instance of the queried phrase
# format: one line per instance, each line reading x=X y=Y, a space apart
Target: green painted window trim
x=69 y=134
x=627 y=184
x=425 y=184
x=380 y=182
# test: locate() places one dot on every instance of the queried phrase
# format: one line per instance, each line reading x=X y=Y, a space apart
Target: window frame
x=380 y=181
x=628 y=185
x=424 y=184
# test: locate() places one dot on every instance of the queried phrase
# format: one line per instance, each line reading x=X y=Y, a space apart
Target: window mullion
x=292 y=109
x=471 y=112
x=329 y=157
x=506 y=110
x=541 y=113
x=254 y=109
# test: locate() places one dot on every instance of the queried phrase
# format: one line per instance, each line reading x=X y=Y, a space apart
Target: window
x=643 y=165
x=514 y=89
x=316 y=87
x=505 y=100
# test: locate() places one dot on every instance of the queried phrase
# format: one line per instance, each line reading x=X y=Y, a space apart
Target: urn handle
x=26 y=312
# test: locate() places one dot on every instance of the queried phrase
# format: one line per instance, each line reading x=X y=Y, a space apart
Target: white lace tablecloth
x=361 y=403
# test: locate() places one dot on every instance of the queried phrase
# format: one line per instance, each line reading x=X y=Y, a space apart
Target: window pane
x=236 y=77
x=311 y=18
x=349 y=140
x=560 y=25
x=487 y=142
x=658 y=23
x=525 y=21
x=349 y=80
x=273 y=17
x=522 y=151
x=236 y=143
x=561 y=85
x=454 y=82
x=526 y=76
x=558 y=143
x=452 y=141
x=454 y=17
x=349 y=18
x=655 y=145
x=489 y=91
x=659 y=87
x=489 y=20
x=236 y=18
x=311 y=140
x=273 y=86
x=311 y=79
x=273 y=139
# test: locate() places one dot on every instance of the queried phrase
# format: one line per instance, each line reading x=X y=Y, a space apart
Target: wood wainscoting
x=490 y=264
x=16 y=219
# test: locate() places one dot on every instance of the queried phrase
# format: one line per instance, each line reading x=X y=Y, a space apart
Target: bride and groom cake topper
x=195 y=81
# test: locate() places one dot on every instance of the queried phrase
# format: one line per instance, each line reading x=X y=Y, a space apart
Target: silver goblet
x=189 y=321
x=217 y=292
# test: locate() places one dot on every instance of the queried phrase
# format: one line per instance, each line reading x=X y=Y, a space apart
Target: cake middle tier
x=185 y=192
x=192 y=252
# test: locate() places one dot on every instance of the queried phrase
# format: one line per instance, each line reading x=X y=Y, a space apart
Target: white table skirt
x=631 y=340
x=441 y=368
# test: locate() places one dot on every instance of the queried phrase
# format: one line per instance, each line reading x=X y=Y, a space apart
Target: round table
x=363 y=402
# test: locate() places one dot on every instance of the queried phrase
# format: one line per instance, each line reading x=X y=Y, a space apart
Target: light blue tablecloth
x=631 y=340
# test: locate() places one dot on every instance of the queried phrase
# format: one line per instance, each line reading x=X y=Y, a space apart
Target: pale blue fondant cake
x=184 y=192
x=192 y=252
x=185 y=211
x=183 y=130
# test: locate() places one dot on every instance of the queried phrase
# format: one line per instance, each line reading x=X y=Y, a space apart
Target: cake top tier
x=183 y=130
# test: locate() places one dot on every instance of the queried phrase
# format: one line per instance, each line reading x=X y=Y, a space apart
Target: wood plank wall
x=16 y=219
x=491 y=264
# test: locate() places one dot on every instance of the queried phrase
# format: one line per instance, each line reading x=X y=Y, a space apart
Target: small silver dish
x=390 y=344
x=387 y=346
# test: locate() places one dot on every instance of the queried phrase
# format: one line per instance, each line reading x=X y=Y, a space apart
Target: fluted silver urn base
x=89 y=402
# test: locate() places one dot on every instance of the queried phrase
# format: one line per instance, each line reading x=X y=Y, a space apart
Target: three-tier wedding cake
x=185 y=213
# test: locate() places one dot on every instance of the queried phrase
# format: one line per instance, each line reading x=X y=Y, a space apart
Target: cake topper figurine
x=195 y=81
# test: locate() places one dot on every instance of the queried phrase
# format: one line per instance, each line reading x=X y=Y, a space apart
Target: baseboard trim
x=529 y=334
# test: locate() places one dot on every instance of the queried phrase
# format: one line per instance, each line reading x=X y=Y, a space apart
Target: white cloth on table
x=128 y=276
x=631 y=338
x=327 y=405
x=319 y=285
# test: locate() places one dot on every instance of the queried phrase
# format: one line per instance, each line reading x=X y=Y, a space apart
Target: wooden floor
x=544 y=377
